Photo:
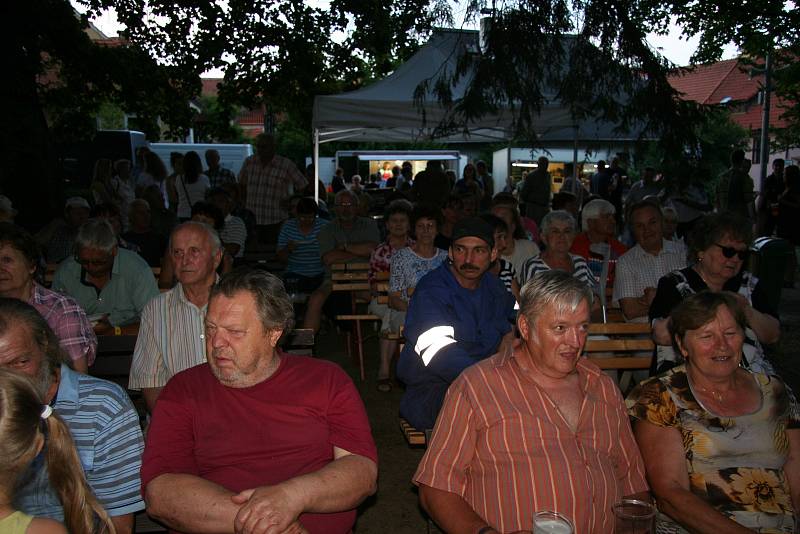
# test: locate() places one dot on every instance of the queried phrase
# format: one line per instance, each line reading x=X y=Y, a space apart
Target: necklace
x=719 y=396
x=699 y=270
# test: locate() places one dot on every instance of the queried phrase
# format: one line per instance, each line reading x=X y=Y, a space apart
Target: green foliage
x=216 y=122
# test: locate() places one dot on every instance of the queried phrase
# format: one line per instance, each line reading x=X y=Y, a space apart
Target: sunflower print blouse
x=734 y=463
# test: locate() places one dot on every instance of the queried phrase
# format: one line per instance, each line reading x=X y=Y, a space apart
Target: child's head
x=21 y=436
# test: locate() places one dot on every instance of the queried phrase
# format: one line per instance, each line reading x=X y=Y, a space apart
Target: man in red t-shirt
x=599 y=226
x=257 y=438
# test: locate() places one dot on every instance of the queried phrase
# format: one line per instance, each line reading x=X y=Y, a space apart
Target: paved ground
x=395 y=509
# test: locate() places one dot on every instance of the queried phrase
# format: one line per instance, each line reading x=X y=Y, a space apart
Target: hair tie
x=47 y=411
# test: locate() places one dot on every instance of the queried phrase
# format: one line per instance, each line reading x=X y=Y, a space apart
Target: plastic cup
x=632 y=516
x=547 y=522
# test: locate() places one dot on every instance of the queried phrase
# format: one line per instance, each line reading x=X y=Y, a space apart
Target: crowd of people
x=492 y=295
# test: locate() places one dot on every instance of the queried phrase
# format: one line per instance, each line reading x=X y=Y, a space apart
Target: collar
x=587 y=373
x=181 y=294
x=68 y=386
x=37 y=294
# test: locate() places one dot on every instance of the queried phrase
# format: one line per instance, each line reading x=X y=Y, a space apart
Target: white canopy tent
x=385 y=111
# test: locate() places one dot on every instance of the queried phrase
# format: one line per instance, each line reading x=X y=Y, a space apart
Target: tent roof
x=385 y=110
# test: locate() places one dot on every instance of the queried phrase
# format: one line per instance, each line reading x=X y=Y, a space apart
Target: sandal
x=384 y=385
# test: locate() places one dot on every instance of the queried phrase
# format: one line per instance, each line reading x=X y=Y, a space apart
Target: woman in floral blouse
x=721 y=443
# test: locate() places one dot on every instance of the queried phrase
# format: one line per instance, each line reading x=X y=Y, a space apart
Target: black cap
x=474 y=227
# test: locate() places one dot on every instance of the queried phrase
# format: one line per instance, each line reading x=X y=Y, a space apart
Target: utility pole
x=764 y=151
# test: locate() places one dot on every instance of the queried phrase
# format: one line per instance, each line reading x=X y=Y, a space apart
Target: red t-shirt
x=581 y=247
x=263 y=435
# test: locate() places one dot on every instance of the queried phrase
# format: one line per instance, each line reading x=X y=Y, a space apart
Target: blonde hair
x=21 y=430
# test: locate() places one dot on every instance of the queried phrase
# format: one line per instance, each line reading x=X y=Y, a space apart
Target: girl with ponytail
x=25 y=427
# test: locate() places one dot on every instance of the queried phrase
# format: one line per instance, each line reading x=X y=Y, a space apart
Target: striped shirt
x=580 y=270
x=506 y=273
x=171 y=339
x=234 y=232
x=267 y=186
x=501 y=444
x=68 y=321
x=105 y=428
x=306 y=258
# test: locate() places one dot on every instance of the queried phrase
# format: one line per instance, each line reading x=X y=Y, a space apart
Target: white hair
x=594 y=209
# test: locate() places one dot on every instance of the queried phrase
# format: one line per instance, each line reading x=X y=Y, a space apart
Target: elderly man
x=106 y=280
x=599 y=226
x=639 y=269
x=171 y=335
x=267 y=180
x=533 y=428
x=459 y=314
x=99 y=415
x=58 y=237
x=19 y=258
x=141 y=233
x=256 y=439
x=347 y=238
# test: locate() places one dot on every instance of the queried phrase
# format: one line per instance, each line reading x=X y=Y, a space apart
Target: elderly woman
x=19 y=260
x=558 y=231
x=720 y=442
x=408 y=266
x=718 y=249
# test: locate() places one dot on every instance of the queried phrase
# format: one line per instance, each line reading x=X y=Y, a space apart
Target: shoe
x=384 y=385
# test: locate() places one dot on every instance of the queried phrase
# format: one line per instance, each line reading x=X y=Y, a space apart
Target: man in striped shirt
x=171 y=336
x=100 y=417
x=533 y=428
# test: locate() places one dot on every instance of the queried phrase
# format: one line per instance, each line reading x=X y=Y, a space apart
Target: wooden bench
x=414 y=437
x=353 y=278
x=300 y=341
x=622 y=338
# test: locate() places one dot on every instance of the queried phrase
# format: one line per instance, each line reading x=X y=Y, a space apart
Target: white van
x=232 y=156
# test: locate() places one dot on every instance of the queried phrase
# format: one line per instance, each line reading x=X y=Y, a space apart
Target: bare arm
x=123 y=524
x=396 y=302
x=792 y=467
x=283 y=254
x=634 y=307
x=661 y=332
x=150 y=396
x=766 y=327
x=340 y=485
x=450 y=511
x=190 y=504
x=664 y=459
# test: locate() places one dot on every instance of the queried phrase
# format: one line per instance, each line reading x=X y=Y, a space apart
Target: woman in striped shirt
x=298 y=246
x=558 y=232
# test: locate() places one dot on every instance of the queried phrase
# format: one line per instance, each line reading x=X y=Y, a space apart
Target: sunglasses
x=730 y=252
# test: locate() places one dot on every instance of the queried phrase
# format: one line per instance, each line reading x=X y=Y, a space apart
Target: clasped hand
x=268 y=510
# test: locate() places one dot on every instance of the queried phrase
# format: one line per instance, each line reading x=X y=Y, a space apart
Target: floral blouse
x=734 y=463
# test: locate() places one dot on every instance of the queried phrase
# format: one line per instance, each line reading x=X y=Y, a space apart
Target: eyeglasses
x=730 y=252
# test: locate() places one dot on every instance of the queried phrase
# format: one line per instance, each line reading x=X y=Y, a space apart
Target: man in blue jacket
x=459 y=315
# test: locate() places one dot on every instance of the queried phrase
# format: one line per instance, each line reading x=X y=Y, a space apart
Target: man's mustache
x=469 y=267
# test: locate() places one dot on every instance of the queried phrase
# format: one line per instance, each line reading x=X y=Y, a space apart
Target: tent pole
x=316 y=165
x=575 y=163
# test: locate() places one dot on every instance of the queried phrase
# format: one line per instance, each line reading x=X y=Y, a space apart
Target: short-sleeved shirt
x=524 y=249
x=501 y=444
x=583 y=247
x=234 y=232
x=190 y=194
x=68 y=321
x=132 y=284
x=306 y=259
x=220 y=176
x=506 y=274
x=171 y=338
x=408 y=268
x=381 y=258
x=735 y=464
x=240 y=438
x=580 y=270
x=268 y=185
x=333 y=235
x=105 y=428
x=637 y=270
